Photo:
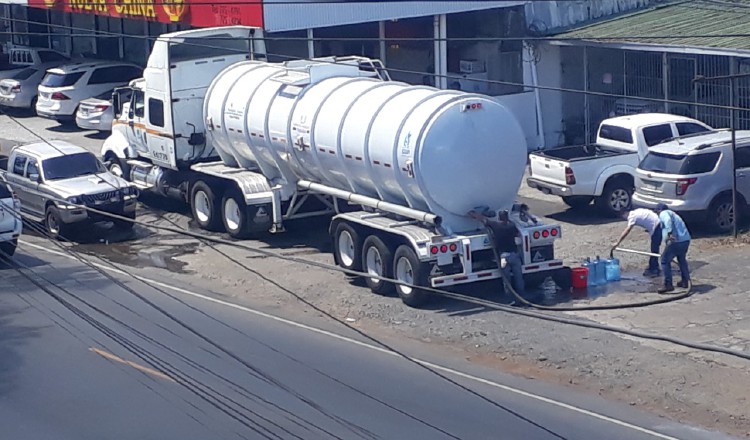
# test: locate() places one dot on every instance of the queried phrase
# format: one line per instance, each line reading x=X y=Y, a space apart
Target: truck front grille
x=107 y=196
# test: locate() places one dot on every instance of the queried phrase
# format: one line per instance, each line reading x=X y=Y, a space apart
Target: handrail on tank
x=371 y=202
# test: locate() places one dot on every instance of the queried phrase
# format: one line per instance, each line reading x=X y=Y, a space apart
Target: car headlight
x=76 y=200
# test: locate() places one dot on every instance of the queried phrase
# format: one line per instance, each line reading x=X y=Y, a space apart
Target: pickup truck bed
x=582 y=152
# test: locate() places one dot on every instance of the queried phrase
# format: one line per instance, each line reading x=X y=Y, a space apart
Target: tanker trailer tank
x=439 y=151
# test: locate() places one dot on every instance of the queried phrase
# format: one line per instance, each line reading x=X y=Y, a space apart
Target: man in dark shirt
x=505 y=234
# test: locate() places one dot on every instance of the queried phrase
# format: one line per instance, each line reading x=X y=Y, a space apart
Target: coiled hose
x=509 y=288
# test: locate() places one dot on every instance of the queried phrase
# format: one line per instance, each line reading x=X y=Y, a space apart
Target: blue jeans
x=653 y=262
x=512 y=270
x=677 y=249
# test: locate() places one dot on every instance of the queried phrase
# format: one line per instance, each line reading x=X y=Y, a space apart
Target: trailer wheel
x=346 y=246
x=377 y=259
x=203 y=203
x=409 y=270
x=234 y=214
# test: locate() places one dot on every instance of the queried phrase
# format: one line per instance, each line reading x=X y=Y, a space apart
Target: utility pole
x=732 y=127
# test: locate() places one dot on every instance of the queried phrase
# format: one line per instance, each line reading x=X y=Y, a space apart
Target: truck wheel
x=124 y=225
x=577 y=202
x=616 y=197
x=346 y=246
x=409 y=270
x=203 y=203
x=377 y=259
x=234 y=214
x=721 y=216
x=8 y=248
x=118 y=167
x=56 y=229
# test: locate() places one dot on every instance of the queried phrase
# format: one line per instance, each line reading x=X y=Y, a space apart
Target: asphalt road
x=82 y=357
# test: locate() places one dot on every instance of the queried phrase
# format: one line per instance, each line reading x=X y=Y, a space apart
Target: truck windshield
x=196 y=48
x=679 y=163
x=72 y=165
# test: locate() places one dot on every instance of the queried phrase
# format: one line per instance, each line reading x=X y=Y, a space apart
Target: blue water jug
x=613 y=269
x=601 y=271
x=591 y=266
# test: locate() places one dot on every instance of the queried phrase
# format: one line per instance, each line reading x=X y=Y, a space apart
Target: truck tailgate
x=548 y=169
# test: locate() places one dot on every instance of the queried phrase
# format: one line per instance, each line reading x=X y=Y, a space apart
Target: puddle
x=142 y=254
x=629 y=288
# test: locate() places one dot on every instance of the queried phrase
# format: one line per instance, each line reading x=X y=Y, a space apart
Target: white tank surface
x=441 y=151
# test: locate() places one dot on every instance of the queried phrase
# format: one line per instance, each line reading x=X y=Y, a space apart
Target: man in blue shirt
x=676 y=243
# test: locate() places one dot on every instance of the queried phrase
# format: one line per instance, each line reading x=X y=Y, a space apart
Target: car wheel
x=346 y=247
x=56 y=229
x=616 y=197
x=33 y=105
x=205 y=206
x=413 y=273
x=8 y=248
x=721 y=214
x=377 y=259
x=577 y=202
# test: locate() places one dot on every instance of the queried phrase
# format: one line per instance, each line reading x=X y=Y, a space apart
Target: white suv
x=693 y=176
x=10 y=220
x=64 y=87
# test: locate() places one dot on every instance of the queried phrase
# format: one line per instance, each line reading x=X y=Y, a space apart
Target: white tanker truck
x=249 y=144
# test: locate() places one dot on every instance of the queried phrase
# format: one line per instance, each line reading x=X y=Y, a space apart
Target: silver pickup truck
x=46 y=174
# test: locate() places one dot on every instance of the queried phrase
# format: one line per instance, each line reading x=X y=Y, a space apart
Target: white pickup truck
x=604 y=171
x=19 y=58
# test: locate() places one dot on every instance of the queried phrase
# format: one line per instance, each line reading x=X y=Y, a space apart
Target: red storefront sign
x=200 y=13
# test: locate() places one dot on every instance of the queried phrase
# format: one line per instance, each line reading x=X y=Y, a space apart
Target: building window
x=60 y=31
x=156 y=112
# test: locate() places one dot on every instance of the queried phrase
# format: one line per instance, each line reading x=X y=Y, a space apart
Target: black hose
x=509 y=288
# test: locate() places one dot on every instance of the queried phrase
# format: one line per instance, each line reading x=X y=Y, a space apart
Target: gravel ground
x=686 y=385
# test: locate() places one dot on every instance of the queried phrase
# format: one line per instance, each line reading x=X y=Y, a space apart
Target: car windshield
x=679 y=163
x=72 y=165
x=61 y=79
x=24 y=74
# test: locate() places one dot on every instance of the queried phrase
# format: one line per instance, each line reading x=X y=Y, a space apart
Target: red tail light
x=683 y=185
x=453 y=247
x=536 y=235
x=434 y=250
x=444 y=248
x=16 y=88
x=101 y=108
x=58 y=96
x=545 y=233
x=554 y=232
x=570 y=178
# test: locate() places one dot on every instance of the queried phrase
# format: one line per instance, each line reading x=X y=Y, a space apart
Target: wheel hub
x=405 y=274
x=346 y=248
x=374 y=263
x=232 y=214
x=202 y=206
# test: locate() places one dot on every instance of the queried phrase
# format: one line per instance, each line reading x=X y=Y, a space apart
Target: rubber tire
x=8 y=248
x=603 y=201
x=115 y=162
x=33 y=105
x=420 y=274
x=713 y=214
x=577 y=202
x=63 y=230
x=243 y=231
x=356 y=263
x=124 y=225
x=386 y=260
x=214 y=222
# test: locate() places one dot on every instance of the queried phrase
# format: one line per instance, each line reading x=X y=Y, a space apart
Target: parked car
x=64 y=87
x=10 y=220
x=46 y=175
x=693 y=176
x=605 y=171
x=20 y=58
x=20 y=91
x=96 y=113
